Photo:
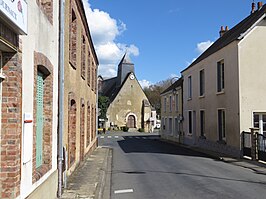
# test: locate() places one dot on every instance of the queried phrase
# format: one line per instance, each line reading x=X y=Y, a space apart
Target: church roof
x=176 y=84
x=125 y=59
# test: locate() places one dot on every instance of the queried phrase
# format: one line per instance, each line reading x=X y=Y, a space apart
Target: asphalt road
x=144 y=167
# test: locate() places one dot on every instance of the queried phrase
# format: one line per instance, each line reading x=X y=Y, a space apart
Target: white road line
x=116 y=137
x=137 y=137
x=102 y=137
x=109 y=136
x=144 y=138
x=123 y=191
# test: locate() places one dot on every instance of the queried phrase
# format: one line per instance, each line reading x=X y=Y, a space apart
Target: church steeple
x=125 y=66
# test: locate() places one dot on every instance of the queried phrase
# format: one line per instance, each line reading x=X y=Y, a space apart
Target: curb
x=103 y=186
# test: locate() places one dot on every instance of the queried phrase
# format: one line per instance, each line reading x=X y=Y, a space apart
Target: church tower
x=125 y=66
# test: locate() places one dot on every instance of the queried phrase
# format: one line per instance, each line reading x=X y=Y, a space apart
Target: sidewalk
x=90 y=179
x=257 y=167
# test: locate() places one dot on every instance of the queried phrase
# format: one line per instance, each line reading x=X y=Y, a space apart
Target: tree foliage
x=154 y=91
x=103 y=103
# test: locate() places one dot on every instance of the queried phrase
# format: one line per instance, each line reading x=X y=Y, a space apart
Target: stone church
x=129 y=106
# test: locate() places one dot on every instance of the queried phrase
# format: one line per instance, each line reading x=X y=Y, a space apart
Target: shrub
x=125 y=128
x=141 y=130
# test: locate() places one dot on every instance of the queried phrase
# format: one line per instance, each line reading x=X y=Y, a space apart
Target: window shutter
x=39 y=120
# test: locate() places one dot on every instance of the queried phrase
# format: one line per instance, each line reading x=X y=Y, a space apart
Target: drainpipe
x=97 y=114
x=61 y=96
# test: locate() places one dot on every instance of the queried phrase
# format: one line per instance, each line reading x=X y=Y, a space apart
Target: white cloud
x=202 y=46
x=104 y=30
x=145 y=83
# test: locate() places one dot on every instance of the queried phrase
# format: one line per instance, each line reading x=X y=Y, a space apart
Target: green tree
x=103 y=103
x=154 y=91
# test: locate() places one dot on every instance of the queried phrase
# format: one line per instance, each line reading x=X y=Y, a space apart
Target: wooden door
x=131 y=123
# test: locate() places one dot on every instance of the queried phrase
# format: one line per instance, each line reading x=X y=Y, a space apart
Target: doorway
x=131 y=121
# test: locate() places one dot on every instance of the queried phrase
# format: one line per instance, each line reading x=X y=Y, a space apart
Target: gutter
x=61 y=97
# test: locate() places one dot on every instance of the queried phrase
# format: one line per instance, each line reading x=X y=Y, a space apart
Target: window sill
x=221 y=142
x=201 y=96
x=189 y=99
x=220 y=93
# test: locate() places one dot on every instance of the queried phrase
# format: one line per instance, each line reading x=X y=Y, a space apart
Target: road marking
x=109 y=136
x=144 y=138
x=137 y=137
x=116 y=137
x=102 y=137
x=123 y=191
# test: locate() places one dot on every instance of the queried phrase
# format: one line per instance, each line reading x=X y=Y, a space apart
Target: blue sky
x=162 y=36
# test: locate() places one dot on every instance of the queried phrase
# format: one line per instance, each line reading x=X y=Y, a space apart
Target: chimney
x=253 y=7
x=222 y=31
x=260 y=4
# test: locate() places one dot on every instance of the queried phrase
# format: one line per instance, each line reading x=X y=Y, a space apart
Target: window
x=176 y=103
x=176 y=126
x=162 y=124
x=165 y=104
x=202 y=123
x=170 y=103
x=83 y=58
x=190 y=122
x=220 y=76
x=89 y=68
x=73 y=39
x=170 y=130
x=259 y=121
x=202 y=83
x=189 y=87
x=221 y=124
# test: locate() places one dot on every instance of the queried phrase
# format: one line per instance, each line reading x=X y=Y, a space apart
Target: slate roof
x=110 y=88
x=231 y=35
x=177 y=83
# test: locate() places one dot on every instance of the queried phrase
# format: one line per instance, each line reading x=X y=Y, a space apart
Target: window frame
x=202 y=123
x=202 y=83
x=190 y=122
x=189 y=87
x=221 y=127
x=220 y=76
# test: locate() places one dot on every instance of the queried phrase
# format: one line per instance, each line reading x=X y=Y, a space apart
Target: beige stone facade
x=172 y=113
x=80 y=86
x=232 y=78
x=130 y=102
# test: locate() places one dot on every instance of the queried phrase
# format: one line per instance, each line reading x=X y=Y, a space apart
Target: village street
x=145 y=167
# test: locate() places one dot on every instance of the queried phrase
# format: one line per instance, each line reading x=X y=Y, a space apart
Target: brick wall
x=88 y=123
x=82 y=129
x=47 y=8
x=42 y=63
x=73 y=38
x=11 y=128
x=72 y=120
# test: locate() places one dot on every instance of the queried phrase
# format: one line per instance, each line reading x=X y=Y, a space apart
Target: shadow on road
x=189 y=175
x=152 y=144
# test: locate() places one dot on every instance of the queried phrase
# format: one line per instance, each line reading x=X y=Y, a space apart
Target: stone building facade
x=172 y=112
x=80 y=88
x=224 y=92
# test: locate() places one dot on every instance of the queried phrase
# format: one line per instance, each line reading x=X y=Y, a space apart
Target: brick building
x=80 y=88
x=28 y=101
